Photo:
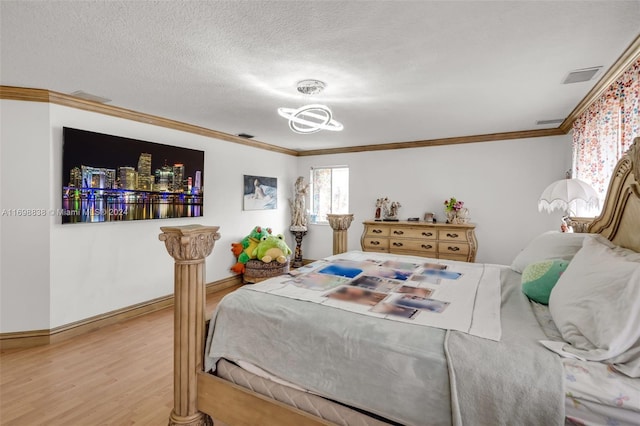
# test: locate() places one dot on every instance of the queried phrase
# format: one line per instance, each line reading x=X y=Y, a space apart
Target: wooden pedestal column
x=340 y=224
x=189 y=246
x=298 y=233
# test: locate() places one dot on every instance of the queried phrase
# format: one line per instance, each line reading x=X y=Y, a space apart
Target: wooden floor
x=118 y=375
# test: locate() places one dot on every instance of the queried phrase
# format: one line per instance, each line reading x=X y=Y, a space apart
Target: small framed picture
x=260 y=193
x=429 y=217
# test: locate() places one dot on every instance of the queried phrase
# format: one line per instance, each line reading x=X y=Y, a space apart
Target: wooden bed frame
x=199 y=396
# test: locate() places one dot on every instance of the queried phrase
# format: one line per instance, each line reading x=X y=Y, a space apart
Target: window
x=329 y=192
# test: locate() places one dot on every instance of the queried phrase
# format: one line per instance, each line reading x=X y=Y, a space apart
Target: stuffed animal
x=272 y=247
x=245 y=248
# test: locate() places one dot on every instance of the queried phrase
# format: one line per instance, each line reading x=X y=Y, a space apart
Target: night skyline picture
x=109 y=178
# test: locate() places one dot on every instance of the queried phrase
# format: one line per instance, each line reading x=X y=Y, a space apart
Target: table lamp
x=566 y=193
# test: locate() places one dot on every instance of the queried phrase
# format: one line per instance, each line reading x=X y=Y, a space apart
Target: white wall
x=76 y=271
x=24 y=240
x=53 y=274
x=500 y=183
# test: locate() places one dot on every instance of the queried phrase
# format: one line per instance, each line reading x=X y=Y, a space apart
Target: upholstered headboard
x=620 y=217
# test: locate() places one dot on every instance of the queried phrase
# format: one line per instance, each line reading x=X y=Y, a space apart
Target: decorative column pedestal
x=189 y=246
x=340 y=224
x=298 y=232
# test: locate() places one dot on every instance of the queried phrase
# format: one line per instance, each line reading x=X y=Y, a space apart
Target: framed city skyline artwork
x=109 y=178
x=260 y=193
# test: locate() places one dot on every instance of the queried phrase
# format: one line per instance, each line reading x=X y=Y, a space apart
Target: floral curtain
x=604 y=132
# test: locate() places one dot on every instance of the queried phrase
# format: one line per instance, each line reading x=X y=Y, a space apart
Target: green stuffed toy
x=245 y=248
x=272 y=247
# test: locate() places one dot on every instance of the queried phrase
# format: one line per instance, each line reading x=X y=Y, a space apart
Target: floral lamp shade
x=565 y=193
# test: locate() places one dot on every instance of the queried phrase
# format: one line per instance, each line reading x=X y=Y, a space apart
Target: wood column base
x=198 y=419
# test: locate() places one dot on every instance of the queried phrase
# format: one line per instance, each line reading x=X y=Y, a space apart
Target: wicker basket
x=257 y=270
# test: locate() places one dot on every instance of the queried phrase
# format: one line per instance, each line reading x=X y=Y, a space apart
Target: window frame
x=312 y=191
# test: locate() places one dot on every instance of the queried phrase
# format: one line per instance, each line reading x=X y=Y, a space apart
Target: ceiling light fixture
x=310 y=118
x=311 y=87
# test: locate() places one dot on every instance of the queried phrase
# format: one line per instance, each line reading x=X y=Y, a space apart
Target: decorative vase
x=451 y=215
x=462 y=216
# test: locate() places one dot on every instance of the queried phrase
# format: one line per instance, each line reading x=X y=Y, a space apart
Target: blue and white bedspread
x=397 y=369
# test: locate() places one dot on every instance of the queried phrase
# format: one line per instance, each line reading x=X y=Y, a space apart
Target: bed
x=289 y=359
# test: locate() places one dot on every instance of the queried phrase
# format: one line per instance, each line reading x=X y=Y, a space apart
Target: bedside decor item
x=455 y=211
x=393 y=212
x=379 y=204
x=566 y=194
x=387 y=210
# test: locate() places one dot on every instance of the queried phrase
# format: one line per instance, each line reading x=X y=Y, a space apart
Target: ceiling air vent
x=578 y=76
x=547 y=122
x=245 y=135
x=89 y=97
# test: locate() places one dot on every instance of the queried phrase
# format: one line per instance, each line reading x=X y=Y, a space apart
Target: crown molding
x=630 y=54
x=522 y=134
x=43 y=95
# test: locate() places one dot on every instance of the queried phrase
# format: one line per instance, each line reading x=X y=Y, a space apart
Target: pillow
x=538 y=279
x=550 y=245
x=596 y=306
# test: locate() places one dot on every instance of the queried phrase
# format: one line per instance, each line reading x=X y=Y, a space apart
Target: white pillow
x=550 y=245
x=596 y=305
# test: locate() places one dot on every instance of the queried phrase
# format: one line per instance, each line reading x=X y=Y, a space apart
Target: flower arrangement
x=452 y=204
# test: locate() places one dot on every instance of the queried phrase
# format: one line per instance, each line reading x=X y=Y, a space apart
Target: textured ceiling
x=396 y=71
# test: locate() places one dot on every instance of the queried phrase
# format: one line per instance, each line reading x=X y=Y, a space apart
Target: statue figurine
x=384 y=205
x=393 y=213
x=298 y=212
x=378 y=209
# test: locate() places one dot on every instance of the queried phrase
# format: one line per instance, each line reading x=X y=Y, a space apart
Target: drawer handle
x=375 y=243
x=452 y=235
x=397 y=244
x=426 y=247
x=398 y=232
x=377 y=231
x=453 y=248
x=427 y=234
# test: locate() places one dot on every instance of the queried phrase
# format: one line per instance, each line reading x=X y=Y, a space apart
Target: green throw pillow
x=538 y=279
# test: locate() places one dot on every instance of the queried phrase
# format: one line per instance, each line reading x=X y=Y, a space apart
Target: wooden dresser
x=436 y=240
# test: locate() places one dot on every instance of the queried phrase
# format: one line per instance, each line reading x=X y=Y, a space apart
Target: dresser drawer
x=452 y=235
x=452 y=248
x=429 y=234
x=428 y=247
x=369 y=243
x=453 y=257
x=375 y=231
x=426 y=239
